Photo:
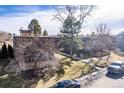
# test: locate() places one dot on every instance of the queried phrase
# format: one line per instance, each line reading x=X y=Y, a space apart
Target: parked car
x=116 y=67
x=67 y=84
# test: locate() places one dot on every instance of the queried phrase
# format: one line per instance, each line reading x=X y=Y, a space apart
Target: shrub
x=0 y=55
x=78 y=52
x=60 y=72
x=4 y=51
x=10 y=52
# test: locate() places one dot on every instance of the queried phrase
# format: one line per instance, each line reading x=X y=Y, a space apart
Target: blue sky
x=12 y=9
x=13 y=17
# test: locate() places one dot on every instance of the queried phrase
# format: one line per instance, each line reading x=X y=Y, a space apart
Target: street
x=109 y=81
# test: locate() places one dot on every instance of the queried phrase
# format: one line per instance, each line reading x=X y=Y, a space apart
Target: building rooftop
x=25 y=30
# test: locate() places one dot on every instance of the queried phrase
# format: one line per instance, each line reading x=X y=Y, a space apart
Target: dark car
x=67 y=84
x=116 y=67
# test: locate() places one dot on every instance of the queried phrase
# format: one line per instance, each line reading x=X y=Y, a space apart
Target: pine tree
x=72 y=18
x=4 y=51
x=34 y=26
x=70 y=32
x=0 y=55
x=10 y=52
x=45 y=33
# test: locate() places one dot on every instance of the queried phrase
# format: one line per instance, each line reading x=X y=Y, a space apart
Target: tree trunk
x=100 y=57
x=108 y=57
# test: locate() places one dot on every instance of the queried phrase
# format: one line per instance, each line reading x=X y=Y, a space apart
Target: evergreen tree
x=4 y=51
x=45 y=33
x=71 y=40
x=0 y=55
x=72 y=18
x=10 y=52
x=34 y=26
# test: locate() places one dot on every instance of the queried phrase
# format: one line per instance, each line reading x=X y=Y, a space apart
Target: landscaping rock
x=11 y=68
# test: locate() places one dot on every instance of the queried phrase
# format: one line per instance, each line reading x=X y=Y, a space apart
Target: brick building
x=26 y=33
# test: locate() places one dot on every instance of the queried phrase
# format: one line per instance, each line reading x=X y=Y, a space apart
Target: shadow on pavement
x=114 y=76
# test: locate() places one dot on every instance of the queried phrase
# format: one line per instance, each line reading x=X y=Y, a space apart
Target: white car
x=116 y=67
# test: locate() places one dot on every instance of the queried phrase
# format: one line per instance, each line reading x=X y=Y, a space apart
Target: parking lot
x=109 y=81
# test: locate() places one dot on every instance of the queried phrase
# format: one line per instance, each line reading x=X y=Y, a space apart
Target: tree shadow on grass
x=60 y=72
x=67 y=63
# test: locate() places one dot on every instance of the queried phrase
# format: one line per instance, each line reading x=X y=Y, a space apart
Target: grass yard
x=72 y=69
x=113 y=57
x=102 y=63
x=8 y=80
x=4 y=62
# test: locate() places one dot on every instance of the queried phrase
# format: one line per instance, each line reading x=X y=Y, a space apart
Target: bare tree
x=72 y=17
x=80 y=12
x=104 y=40
x=35 y=56
x=41 y=53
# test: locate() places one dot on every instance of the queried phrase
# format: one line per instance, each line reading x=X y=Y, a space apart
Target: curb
x=87 y=80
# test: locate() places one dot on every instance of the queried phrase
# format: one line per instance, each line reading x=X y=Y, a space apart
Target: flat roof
x=25 y=30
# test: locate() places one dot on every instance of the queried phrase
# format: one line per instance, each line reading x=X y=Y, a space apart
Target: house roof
x=25 y=31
